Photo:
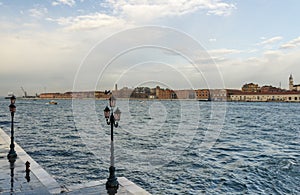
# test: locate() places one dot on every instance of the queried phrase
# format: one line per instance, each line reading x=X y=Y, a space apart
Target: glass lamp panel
x=112 y=101
x=12 y=99
x=117 y=114
x=106 y=112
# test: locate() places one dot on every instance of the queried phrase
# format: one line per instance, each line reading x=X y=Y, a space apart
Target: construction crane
x=25 y=93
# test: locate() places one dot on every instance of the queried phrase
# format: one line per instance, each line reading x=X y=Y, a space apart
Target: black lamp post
x=12 y=155
x=12 y=171
x=112 y=119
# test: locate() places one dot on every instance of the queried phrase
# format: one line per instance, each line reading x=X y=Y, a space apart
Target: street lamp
x=112 y=119
x=12 y=155
x=112 y=101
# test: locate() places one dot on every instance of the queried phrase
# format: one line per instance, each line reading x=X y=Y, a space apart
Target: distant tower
x=291 y=83
x=116 y=87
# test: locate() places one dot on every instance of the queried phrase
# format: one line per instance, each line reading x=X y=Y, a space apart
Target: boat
x=9 y=95
x=52 y=102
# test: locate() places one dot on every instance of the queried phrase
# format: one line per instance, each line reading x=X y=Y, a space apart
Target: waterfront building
x=249 y=92
x=253 y=93
x=84 y=94
x=285 y=96
x=218 y=94
x=70 y=95
x=185 y=94
x=101 y=95
x=293 y=87
x=125 y=92
x=250 y=87
x=269 y=88
x=165 y=93
x=140 y=92
x=222 y=94
x=202 y=94
x=50 y=95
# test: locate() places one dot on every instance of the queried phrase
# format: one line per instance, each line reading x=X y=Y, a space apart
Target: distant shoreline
x=149 y=99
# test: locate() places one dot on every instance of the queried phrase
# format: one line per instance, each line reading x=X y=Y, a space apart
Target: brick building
x=250 y=87
x=202 y=94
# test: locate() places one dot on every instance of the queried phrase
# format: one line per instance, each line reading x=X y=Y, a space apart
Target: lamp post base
x=12 y=156
x=112 y=183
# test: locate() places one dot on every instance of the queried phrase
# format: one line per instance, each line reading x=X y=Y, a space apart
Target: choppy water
x=166 y=147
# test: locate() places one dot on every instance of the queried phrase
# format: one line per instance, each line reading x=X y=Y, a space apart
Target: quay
x=14 y=179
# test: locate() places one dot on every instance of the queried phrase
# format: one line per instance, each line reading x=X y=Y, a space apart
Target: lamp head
x=106 y=112
x=13 y=99
x=117 y=114
x=112 y=101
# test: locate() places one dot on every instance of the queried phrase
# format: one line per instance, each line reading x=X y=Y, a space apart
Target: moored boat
x=53 y=102
x=9 y=95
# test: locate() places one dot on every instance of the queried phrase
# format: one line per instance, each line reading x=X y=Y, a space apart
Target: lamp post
x=112 y=119
x=12 y=174
x=12 y=155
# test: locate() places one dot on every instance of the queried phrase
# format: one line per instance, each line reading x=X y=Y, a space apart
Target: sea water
x=166 y=147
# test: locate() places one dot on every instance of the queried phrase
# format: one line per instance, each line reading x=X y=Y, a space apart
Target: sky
x=65 y=45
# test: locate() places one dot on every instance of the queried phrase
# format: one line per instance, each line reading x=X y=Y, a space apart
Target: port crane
x=25 y=93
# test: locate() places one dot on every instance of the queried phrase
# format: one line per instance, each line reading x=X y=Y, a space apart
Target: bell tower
x=291 y=83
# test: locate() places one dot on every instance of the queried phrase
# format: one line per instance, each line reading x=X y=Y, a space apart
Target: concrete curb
x=45 y=178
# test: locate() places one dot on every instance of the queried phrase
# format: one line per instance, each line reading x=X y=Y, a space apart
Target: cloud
x=149 y=10
x=70 y=3
x=7 y=26
x=131 y=12
x=220 y=8
x=287 y=46
x=222 y=52
x=41 y=58
x=217 y=55
x=270 y=68
x=88 y=22
x=53 y=53
x=271 y=40
x=38 y=12
x=291 y=44
x=272 y=54
x=252 y=51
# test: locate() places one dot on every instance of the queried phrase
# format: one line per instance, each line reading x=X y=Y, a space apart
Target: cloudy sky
x=62 y=45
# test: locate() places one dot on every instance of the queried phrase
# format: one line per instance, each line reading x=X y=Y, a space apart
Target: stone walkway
x=13 y=178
